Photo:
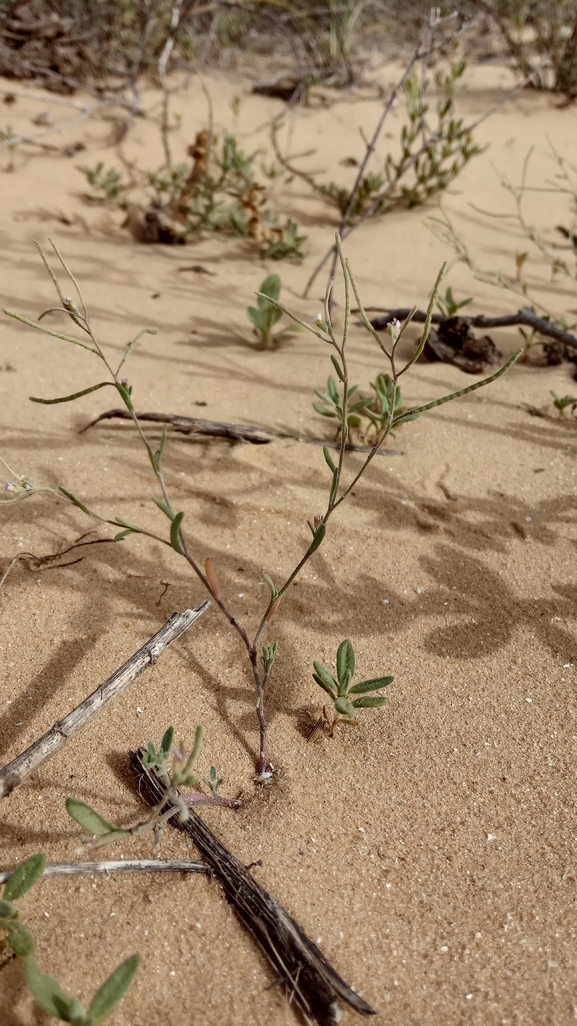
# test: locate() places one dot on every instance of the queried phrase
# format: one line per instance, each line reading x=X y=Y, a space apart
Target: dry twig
x=15 y=772
x=125 y=866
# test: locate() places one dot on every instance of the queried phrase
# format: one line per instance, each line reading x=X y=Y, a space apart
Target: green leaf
x=112 y=990
x=125 y=395
x=76 y=1014
x=166 y=743
x=318 y=537
x=24 y=877
x=20 y=940
x=47 y=991
x=345 y=663
x=273 y=590
x=165 y=509
x=329 y=459
x=124 y=534
x=70 y=398
x=337 y=367
x=7 y=909
x=371 y=685
x=88 y=818
x=370 y=702
x=323 y=412
x=127 y=523
x=174 y=532
x=333 y=391
x=256 y=316
x=325 y=679
x=345 y=708
x=270 y=287
x=76 y=501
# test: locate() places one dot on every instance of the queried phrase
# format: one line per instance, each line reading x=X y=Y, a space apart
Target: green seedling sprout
x=346 y=696
x=448 y=305
x=562 y=402
x=265 y=315
x=175 y=769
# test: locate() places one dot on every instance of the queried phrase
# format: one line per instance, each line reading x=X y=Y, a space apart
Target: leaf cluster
x=449 y=146
x=562 y=402
x=369 y=414
x=341 y=689
x=106 y=183
x=448 y=305
x=174 y=768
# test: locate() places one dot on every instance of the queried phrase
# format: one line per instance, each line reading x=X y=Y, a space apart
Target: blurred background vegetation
x=108 y=44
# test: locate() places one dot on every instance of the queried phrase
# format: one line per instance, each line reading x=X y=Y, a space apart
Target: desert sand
x=430 y=853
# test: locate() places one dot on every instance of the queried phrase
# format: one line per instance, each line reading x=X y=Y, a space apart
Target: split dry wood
x=15 y=772
x=310 y=980
x=126 y=866
x=236 y=432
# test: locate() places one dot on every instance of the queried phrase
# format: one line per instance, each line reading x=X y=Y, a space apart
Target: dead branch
x=126 y=866
x=12 y=775
x=310 y=980
x=39 y=563
x=524 y=316
x=235 y=432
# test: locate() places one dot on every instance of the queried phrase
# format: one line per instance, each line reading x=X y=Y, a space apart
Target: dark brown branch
x=524 y=316
x=311 y=982
x=236 y=432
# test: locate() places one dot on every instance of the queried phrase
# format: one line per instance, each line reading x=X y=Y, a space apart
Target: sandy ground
x=431 y=853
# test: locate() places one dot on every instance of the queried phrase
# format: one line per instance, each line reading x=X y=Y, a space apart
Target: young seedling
x=13 y=934
x=44 y=988
x=265 y=314
x=49 y=994
x=344 y=693
x=562 y=402
x=448 y=305
x=174 y=769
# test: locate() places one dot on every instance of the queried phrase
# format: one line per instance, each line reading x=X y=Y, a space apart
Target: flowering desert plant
x=340 y=483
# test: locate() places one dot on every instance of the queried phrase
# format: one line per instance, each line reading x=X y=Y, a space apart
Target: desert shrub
x=217 y=191
x=534 y=30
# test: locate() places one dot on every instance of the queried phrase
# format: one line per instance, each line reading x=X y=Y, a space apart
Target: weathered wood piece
x=45 y=747
x=524 y=316
x=236 y=432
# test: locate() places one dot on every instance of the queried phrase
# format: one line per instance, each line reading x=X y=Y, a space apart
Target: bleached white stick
x=125 y=866
x=15 y=772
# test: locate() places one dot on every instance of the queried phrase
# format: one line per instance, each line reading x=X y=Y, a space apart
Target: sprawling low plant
x=215 y=192
x=340 y=482
x=435 y=146
x=46 y=991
